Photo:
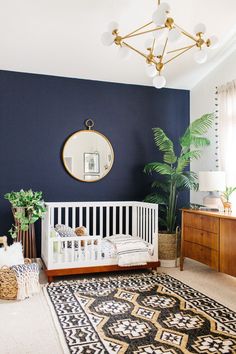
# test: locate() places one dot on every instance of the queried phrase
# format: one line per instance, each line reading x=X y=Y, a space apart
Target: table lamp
x=212 y=182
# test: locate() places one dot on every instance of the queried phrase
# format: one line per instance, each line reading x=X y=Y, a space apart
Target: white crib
x=80 y=255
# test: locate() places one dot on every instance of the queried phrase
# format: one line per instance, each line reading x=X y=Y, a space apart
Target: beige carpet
x=26 y=327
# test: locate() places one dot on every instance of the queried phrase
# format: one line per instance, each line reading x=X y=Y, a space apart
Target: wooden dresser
x=210 y=238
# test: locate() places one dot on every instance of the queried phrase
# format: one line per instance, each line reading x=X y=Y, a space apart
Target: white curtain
x=227 y=133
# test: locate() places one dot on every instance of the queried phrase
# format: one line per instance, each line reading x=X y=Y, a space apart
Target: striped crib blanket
x=131 y=250
x=27 y=276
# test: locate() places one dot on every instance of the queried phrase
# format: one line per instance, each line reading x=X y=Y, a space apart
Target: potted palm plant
x=27 y=207
x=175 y=177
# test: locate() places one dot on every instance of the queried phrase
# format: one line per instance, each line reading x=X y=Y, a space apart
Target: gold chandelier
x=164 y=31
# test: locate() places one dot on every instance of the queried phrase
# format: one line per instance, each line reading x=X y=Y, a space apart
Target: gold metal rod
x=159 y=2
x=140 y=33
x=176 y=56
x=164 y=49
x=186 y=33
x=153 y=45
x=138 y=29
x=135 y=50
x=177 y=50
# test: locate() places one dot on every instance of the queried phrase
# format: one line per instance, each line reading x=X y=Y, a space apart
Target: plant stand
x=27 y=238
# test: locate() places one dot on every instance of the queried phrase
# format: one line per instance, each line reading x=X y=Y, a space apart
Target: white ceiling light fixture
x=165 y=30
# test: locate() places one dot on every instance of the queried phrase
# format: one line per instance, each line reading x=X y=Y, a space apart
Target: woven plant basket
x=8 y=282
x=169 y=248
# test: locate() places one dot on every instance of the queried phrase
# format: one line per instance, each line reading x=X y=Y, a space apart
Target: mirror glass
x=88 y=155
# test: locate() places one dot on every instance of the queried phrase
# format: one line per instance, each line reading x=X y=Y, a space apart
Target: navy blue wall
x=38 y=112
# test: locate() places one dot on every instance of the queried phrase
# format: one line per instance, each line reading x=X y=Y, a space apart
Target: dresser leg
x=181 y=263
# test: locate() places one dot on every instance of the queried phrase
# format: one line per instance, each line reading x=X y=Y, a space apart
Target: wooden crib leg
x=50 y=279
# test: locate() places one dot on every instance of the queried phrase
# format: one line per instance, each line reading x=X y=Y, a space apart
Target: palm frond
x=158 y=167
x=165 y=186
x=165 y=145
x=156 y=198
x=184 y=160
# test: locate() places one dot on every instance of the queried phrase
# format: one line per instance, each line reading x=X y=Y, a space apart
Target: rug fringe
x=59 y=330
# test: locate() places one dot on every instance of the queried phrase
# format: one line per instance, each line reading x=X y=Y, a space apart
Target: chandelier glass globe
x=112 y=26
x=164 y=7
x=151 y=70
x=214 y=42
x=123 y=52
x=200 y=28
x=200 y=56
x=107 y=39
x=159 y=17
x=174 y=34
x=159 y=81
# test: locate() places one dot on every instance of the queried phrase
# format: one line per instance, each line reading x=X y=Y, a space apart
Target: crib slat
x=144 y=217
x=87 y=219
x=81 y=221
x=150 y=225
x=138 y=221
x=120 y=220
x=114 y=220
x=107 y=221
x=126 y=220
x=156 y=220
x=66 y=216
x=101 y=220
x=73 y=217
x=153 y=222
x=141 y=223
x=94 y=221
x=146 y=223
x=52 y=217
x=59 y=215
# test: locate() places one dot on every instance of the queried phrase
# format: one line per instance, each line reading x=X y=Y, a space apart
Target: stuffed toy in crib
x=82 y=231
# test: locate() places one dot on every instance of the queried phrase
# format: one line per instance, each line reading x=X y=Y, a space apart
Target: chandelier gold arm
x=153 y=45
x=136 y=30
x=176 y=56
x=164 y=49
x=186 y=33
x=135 y=50
x=177 y=50
x=140 y=33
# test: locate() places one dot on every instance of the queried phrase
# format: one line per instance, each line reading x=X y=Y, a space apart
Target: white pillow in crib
x=12 y=256
x=65 y=231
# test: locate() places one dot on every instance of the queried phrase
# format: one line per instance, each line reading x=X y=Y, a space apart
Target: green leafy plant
x=28 y=207
x=173 y=174
x=227 y=193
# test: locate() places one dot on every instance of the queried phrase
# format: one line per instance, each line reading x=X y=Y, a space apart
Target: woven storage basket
x=8 y=282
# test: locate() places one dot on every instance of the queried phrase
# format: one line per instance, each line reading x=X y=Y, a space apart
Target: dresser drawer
x=202 y=222
x=201 y=254
x=201 y=237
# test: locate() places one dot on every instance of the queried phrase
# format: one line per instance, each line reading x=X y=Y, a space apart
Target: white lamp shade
x=210 y=181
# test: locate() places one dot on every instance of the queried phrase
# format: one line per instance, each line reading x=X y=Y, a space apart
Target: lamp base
x=212 y=201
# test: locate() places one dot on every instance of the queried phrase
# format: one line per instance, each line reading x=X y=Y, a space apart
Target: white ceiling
x=63 y=38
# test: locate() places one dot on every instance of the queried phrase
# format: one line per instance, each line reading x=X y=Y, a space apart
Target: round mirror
x=88 y=155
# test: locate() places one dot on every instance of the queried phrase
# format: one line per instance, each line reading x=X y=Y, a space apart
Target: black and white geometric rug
x=145 y=313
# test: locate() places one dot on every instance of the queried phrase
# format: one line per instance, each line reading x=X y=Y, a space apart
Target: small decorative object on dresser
x=209 y=238
x=225 y=198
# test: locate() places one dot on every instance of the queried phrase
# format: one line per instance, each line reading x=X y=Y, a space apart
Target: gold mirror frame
x=88 y=131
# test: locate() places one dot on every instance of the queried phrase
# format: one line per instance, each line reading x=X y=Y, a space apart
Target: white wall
x=202 y=101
